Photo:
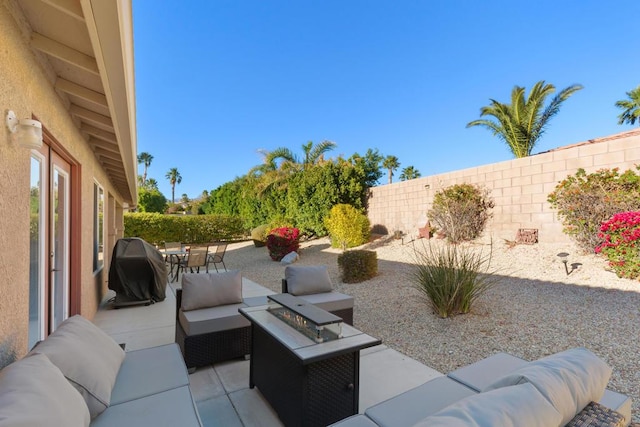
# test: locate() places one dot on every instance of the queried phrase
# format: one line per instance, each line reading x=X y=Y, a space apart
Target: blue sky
x=217 y=80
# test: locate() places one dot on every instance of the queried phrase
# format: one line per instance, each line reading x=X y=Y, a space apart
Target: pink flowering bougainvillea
x=282 y=241
x=621 y=244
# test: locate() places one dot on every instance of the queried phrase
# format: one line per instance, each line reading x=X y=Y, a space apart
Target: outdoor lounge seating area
x=149 y=385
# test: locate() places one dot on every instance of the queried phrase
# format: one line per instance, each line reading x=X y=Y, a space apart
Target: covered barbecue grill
x=137 y=273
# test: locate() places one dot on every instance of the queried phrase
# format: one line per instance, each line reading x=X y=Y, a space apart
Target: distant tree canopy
x=409 y=173
x=302 y=196
x=151 y=200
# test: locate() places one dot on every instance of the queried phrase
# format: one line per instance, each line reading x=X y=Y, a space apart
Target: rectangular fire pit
x=305 y=361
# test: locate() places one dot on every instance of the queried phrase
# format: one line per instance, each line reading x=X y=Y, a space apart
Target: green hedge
x=158 y=228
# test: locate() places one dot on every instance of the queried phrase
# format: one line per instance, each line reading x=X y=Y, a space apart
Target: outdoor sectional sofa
x=566 y=388
x=79 y=376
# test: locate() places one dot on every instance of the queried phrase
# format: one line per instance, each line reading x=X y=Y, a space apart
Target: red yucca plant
x=282 y=241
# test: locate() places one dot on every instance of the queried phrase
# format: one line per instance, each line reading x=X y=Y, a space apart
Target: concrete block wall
x=519 y=188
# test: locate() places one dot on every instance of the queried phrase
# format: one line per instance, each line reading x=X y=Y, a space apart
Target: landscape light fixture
x=564 y=257
x=27 y=132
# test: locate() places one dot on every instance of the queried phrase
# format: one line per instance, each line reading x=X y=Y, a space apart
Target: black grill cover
x=137 y=270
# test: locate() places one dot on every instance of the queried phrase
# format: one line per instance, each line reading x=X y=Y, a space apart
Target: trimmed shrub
x=461 y=212
x=358 y=265
x=158 y=228
x=259 y=235
x=282 y=241
x=348 y=227
x=621 y=246
x=584 y=202
x=451 y=277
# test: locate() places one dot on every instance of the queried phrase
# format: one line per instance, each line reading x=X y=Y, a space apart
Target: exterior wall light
x=27 y=133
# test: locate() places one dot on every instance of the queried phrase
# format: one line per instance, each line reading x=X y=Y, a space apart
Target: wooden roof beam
x=99 y=133
x=98 y=120
x=63 y=52
x=82 y=92
x=69 y=7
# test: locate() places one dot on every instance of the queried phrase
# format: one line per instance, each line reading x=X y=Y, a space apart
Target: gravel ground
x=534 y=310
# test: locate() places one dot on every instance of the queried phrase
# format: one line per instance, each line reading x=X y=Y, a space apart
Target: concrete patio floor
x=222 y=392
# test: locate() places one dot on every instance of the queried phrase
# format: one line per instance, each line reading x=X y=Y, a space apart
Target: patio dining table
x=175 y=256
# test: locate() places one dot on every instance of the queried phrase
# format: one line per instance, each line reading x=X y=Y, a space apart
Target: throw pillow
x=569 y=380
x=305 y=280
x=87 y=357
x=211 y=289
x=515 y=406
x=33 y=392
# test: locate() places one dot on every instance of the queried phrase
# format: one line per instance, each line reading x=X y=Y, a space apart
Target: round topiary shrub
x=358 y=265
x=259 y=235
x=347 y=226
x=461 y=212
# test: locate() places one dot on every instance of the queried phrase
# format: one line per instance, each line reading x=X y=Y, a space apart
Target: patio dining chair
x=198 y=257
x=217 y=257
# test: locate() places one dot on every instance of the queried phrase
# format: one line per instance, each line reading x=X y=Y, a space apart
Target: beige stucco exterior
x=27 y=88
x=519 y=188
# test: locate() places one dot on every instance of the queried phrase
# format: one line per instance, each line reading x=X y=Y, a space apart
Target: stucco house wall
x=519 y=188
x=26 y=88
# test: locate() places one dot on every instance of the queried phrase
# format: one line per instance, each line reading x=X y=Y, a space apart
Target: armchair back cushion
x=514 y=406
x=211 y=290
x=569 y=380
x=305 y=280
x=87 y=357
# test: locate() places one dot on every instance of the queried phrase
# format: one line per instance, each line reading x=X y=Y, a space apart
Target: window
x=98 y=227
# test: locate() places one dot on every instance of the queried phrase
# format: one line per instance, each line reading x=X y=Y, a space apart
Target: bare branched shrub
x=461 y=211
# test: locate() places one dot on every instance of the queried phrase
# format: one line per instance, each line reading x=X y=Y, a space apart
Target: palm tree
x=390 y=163
x=521 y=123
x=280 y=163
x=409 y=173
x=145 y=158
x=631 y=108
x=174 y=178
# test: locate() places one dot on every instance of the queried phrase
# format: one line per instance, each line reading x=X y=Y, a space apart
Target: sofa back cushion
x=33 y=392
x=514 y=406
x=211 y=290
x=87 y=357
x=305 y=280
x=569 y=380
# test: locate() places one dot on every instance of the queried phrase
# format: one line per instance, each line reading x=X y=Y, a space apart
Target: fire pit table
x=305 y=361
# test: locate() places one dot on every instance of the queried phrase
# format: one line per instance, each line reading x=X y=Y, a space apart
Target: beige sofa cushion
x=514 y=406
x=33 y=392
x=569 y=380
x=305 y=280
x=87 y=357
x=211 y=290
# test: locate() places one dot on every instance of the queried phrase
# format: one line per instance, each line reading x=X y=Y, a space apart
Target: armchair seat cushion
x=330 y=301
x=212 y=319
